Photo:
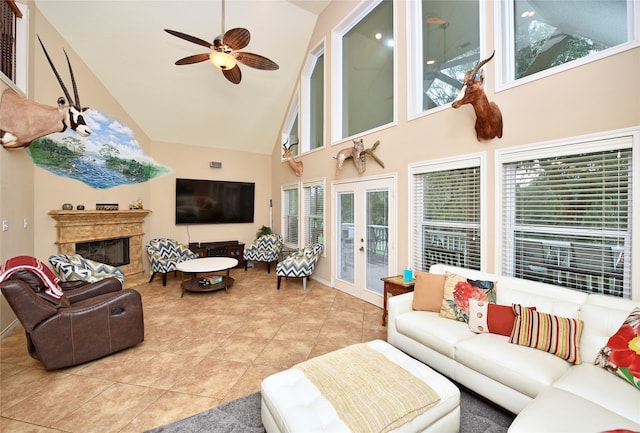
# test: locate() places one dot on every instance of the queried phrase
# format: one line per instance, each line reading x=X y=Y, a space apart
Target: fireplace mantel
x=92 y=225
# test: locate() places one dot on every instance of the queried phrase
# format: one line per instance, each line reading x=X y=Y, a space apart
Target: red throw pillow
x=493 y=318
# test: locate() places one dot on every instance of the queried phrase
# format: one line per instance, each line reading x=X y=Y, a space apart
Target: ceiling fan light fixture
x=222 y=60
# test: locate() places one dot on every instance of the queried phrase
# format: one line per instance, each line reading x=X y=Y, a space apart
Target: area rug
x=243 y=416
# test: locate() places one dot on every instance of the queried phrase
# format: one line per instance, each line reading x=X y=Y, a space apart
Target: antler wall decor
x=22 y=120
x=488 y=115
x=359 y=155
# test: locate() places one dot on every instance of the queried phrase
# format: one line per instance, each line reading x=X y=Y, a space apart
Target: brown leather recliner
x=88 y=322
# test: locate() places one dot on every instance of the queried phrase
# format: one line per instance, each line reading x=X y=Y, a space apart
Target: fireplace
x=118 y=234
x=114 y=252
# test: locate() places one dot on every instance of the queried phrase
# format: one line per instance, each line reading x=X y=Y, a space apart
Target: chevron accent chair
x=74 y=267
x=165 y=254
x=264 y=249
x=300 y=264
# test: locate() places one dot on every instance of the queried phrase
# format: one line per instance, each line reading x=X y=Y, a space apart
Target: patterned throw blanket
x=369 y=392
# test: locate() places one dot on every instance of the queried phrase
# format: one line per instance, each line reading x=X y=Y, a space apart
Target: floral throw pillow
x=621 y=355
x=457 y=292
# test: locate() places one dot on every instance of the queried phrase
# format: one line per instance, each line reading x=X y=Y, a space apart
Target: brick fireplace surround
x=94 y=225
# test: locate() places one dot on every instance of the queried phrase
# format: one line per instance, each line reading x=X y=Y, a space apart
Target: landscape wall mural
x=109 y=157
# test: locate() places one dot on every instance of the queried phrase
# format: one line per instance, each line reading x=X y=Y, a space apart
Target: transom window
x=444 y=43
x=312 y=89
x=364 y=65
x=13 y=38
x=543 y=35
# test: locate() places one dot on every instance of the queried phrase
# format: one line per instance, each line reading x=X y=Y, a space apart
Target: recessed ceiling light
x=378 y=36
x=527 y=14
x=431 y=62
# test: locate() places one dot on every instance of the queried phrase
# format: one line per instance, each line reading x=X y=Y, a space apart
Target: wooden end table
x=394 y=286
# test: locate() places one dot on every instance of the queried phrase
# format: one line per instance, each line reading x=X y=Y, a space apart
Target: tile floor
x=200 y=350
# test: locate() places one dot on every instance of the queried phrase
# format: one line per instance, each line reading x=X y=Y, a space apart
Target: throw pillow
x=428 y=291
x=493 y=318
x=621 y=355
x=557 y=335
x=457 y=292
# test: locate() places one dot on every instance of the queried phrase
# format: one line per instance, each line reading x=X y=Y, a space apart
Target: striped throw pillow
x=559 y=336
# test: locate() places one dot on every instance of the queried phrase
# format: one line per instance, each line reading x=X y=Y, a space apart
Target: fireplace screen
x=114 y=252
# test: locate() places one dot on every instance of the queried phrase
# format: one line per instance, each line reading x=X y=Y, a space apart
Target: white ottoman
x=292 y=403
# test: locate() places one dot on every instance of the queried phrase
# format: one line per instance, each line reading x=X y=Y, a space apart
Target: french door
x=364 y=227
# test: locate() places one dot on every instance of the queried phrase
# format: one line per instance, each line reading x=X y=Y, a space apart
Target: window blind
x=290 y=215
x=567 y=218
x=446 y=216
x=313 y=213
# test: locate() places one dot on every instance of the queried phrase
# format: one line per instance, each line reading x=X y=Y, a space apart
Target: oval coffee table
x=206 y=265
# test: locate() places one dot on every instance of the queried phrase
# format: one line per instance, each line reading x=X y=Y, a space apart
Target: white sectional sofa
x=547 y=392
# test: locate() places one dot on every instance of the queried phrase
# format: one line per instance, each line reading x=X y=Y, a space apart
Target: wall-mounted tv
x=201 y=201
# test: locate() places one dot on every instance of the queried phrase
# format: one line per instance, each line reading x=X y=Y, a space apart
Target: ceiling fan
x=224 y=52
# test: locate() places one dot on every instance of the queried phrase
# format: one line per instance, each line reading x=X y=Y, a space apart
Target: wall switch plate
x=25 y=223
x=5 y=225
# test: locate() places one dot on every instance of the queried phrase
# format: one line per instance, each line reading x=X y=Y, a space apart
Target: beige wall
x=598 y=96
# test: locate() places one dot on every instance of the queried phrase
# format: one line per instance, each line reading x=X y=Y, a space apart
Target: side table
x=394 y=286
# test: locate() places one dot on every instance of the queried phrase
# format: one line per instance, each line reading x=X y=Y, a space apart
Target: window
x=291 y=130
x=313 y=100
x=567 y=214
x=446 y=220
x=364 y=70
x=313 y=213
x=444 y=43
x=290 y=214
x=541 y=35
x=13 y=40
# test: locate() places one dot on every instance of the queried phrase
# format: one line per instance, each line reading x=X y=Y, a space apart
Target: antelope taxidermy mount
x=488 y=115
x=22 y=120
x=296 y=166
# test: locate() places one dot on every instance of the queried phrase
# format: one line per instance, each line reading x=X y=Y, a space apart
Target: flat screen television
x=200 y=201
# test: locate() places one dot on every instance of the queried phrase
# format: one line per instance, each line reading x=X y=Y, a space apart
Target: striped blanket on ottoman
x=370 y=387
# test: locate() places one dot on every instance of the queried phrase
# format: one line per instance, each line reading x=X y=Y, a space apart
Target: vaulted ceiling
x=126 y=47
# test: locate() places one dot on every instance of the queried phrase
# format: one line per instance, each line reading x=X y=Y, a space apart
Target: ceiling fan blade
x=196 y=58
x=234 y=75
x=237 y=38
x=189 y=38
x=256 y=61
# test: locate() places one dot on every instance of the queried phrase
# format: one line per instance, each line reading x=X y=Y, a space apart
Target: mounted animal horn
x=472 y=73
x=55 y=71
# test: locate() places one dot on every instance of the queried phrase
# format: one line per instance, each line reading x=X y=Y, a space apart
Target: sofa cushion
x=527 y=370
x=434 y=331
x=620 y=356
x=557 y=335
x=557 y=410
x=602 y=388
x=458 y=290
x=428 y=291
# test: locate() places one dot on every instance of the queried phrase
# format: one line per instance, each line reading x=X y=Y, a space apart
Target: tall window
x=290 y=214
x=291 y=128
x=444 y=43
x=364 y=78
x=446 y=219
x=567 y=213
x=546 y=34
x=13 y=41
x=312 y=101
x=313 y=213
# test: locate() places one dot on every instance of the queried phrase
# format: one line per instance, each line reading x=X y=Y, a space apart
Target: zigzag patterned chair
x=264 y=249
x=165 y=254
x=74 y=267
x=300 y=264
